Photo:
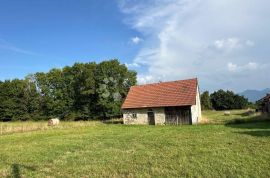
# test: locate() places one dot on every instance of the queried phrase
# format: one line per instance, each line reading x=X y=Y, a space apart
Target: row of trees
x=223 y=100
x=82 y=91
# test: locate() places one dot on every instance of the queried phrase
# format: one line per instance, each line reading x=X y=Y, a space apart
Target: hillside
x=254 y=95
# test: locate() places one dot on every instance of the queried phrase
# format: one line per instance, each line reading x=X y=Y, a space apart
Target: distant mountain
x=254 y=95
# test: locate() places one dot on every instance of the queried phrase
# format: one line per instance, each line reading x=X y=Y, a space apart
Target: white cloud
x=132 y=65
x=136 y=40
x=252 y=66
x=230 y=44
x=145 y=79
x=204 y=39
x=249 y=66
x=232 y=67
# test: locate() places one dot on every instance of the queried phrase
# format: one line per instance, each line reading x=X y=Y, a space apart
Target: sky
x=224 y=43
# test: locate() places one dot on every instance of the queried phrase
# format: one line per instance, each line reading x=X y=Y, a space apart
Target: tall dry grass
x=28 y=126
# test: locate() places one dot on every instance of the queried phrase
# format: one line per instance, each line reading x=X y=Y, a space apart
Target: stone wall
x=142 y=117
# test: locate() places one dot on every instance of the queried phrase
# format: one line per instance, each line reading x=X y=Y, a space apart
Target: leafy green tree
x=32 y=99
x=205 y=101
x=81 y=91
x=17 y=99
x=240 y=102
x=80 y=80
x=224 y=100
x=53 y=89
x=113 y=81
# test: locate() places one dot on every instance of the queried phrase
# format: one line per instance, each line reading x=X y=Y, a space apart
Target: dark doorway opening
x=151 y=117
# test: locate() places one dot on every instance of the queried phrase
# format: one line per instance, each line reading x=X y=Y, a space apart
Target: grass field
x=218 y=117
x=96 y=149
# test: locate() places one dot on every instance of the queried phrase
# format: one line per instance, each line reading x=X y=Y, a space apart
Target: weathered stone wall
x=159 y=116
x=196 y=113
x=142 y=116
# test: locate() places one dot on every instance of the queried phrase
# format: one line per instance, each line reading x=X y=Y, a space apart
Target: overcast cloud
x=225 y=43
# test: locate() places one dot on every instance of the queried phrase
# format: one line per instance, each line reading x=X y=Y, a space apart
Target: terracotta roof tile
x=176 y=93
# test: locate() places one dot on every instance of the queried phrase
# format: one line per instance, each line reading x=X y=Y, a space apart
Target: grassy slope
x=142 y=151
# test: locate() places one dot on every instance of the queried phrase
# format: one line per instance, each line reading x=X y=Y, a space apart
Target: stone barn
x=176 y=102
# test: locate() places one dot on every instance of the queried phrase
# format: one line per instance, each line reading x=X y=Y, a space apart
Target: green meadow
x=226 y=146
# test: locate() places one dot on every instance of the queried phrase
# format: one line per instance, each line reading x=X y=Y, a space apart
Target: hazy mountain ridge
x=254 y=95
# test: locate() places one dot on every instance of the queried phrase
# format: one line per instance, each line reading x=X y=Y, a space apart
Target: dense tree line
x=82 y=91
x=205 y=101
x=223 y=100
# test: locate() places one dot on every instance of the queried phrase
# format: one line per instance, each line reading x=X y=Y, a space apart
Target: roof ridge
x=157 y=83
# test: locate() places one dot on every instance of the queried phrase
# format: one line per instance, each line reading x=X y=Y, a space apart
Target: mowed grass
x=115 y=150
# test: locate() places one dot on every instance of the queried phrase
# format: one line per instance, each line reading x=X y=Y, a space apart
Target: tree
x=32 y=99
x=240 y=102
x=205 y=101
x=113 y=81
x=81 y=91
x=80 y=79
x=224 y=100
x=17 y=99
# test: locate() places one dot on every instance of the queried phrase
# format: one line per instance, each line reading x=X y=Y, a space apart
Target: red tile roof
x=176 y=93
